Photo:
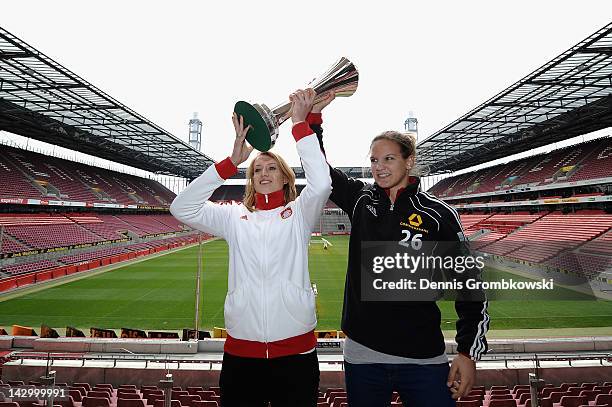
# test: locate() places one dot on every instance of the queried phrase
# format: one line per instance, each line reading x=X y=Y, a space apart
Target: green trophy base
x=259 y=134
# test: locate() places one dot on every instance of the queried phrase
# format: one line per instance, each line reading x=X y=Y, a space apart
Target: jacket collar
x=272 y=200
x=410 y=189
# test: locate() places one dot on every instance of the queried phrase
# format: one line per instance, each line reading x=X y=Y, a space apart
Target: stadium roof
x=43 y=100
x=567 y=97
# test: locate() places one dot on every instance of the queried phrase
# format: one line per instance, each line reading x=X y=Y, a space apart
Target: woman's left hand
x=301 y=104
x=329 y=97
x=461 y=376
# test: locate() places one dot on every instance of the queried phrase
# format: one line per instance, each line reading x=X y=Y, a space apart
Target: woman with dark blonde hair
x=270 y=354
x=410 y=355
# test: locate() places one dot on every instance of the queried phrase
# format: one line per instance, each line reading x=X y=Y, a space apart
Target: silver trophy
x=342 y=78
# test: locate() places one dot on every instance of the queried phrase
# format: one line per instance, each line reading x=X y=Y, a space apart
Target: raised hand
x=242 y=149
x=329 y=97
x=301 y=104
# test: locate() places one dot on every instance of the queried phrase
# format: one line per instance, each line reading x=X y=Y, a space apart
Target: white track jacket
x=269 y=294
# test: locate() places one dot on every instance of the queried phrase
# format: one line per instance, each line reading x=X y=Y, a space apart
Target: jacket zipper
x=263 y=291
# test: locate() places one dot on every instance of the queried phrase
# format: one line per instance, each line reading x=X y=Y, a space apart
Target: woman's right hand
x=242 y=149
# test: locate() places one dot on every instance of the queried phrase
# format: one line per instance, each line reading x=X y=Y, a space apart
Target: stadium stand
x=586 y=161
x=547 y=236
x=25 y=174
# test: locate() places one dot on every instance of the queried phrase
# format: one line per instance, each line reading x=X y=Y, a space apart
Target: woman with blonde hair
x=269 y=354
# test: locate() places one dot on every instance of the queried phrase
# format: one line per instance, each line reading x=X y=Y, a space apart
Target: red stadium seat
x=96 y=402
x=205 y=403
x=99 y=394
x=193 y=390
x=86 y=386
x=186 y=400
x=546 y=391
x=573 y=401
x=173 y=403
x=75 y=394
x=590 y=394
x=205 y=394
x=338 y=401
x=509 y=402
x=565 y=386
x=121 y=402
x=128 y=396
x=603 y=399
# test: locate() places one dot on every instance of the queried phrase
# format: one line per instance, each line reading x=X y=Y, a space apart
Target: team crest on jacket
x=286 y=213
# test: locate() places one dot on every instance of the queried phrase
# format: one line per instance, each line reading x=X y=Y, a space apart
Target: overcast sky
x=167 y=60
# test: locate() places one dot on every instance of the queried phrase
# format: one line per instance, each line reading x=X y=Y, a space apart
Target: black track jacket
x=407 y=329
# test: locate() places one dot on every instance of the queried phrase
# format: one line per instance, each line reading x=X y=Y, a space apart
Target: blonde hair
x=288 y=188
x=406 y=142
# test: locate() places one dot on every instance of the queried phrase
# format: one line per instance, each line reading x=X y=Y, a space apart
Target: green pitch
x=159 y=294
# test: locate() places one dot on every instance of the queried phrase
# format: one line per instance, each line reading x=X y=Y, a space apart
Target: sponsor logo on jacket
x=286 y=213
x=414 y=222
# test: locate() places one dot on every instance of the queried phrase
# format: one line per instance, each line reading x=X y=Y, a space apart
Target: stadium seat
x=16 y=382
x=188 y=399
x=522 y=399
x=128 y=396
x=122 y=402
x=472 y=397
x=96 y=402
x=86 y=386
x=338 y=401
x=565 y=386
x=152 y=398
x=546 y=402
x=555 y=396
x=99 y=394
x=499 y=396
x=193 y=390
x=547 y=390
x=603 y=399
x=64 y=402
x=573 y=401
x=509 y=402
x=205 y=394
x=590 y=394
x=76 y=394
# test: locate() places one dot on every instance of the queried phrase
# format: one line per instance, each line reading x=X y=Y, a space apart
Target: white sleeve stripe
x=478 y=346
x=453 y=211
